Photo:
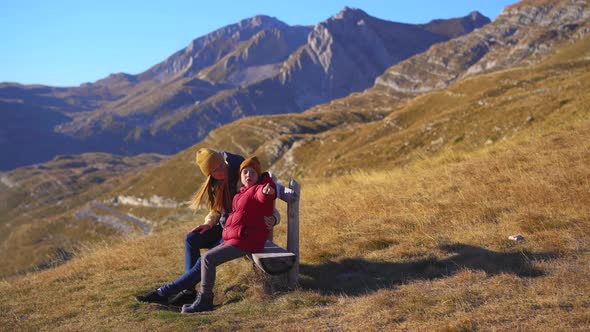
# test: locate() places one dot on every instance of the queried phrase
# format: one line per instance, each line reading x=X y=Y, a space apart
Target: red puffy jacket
x=245 y=226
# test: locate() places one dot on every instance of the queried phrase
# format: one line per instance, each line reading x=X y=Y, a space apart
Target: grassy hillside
x=422 y=247
x=39 y=203
x=469 y=115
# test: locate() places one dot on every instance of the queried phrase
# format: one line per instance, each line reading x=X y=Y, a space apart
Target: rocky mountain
x=342 y=55
x=522 y=34
x=257 y=66
x=39 y=122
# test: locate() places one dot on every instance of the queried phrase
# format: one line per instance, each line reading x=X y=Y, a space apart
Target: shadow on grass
x=356 y=276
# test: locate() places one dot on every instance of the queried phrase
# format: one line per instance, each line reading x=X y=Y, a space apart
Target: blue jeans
x=193 y=243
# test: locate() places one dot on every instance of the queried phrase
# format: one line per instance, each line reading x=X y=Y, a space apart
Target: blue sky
x=69 y=42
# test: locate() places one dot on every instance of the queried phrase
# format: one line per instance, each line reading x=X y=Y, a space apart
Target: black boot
x=202 y=303
x=185 y=297
x=152 y=297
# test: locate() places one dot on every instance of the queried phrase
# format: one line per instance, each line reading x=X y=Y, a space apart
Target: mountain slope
x=522 y=34
x=258 y=59
x=457 y=27
x=133 y=124
x=433 y=254
x=368 y=131
x=29 y=114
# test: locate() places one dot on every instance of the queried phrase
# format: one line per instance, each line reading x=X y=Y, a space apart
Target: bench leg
x=271 y=284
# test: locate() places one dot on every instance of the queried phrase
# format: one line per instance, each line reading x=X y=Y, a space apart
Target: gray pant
x=216 y=256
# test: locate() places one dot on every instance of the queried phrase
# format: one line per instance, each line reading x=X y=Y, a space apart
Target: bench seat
x=274 y=260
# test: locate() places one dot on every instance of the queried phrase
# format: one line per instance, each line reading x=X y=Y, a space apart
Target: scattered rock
x=517 y=237
x=438 y=141
x=154 y=201
x=7 y=181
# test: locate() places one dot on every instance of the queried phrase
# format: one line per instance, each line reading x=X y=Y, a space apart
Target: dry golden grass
x=416 y=241
x=422 y=247
x=37 y=214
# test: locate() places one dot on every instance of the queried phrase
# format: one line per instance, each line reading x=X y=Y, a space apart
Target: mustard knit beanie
x=208 y=160
x=252 y=162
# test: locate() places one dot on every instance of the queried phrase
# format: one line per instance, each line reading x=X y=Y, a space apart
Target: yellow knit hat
x=252 y=162
x=208 y=160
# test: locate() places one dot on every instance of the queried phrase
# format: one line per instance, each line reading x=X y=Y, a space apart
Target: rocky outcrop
x=154 y=201
x=258 y=58
x=98 y=213
x=522 y=34
x=209 y=49
x=7 y=181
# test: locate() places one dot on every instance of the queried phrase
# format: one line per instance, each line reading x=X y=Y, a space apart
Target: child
x=245 y=231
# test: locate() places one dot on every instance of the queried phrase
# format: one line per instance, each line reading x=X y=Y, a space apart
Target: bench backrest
x=291 y=195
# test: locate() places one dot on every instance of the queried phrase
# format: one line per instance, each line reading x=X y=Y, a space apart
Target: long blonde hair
x=216 y=194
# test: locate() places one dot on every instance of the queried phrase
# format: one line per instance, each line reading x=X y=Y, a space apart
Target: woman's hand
x=201 y=228
x=268 y=189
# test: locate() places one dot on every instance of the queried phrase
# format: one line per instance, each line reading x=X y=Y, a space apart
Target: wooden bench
x=275 y=260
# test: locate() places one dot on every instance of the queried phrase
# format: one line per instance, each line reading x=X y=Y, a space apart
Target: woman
x=222 y=172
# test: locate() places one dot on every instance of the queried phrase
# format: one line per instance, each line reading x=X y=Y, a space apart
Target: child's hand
x=270 y=222
x=268 y=189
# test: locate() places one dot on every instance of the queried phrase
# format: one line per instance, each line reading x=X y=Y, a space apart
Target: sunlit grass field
x=424 y=247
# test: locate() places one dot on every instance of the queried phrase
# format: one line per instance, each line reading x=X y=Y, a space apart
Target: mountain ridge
x=442 y=67
x=211 y=82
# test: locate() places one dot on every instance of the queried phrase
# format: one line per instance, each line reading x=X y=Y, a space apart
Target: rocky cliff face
x=257 y=59
x=209 y=49
x=522 y=34
x=346 y=52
